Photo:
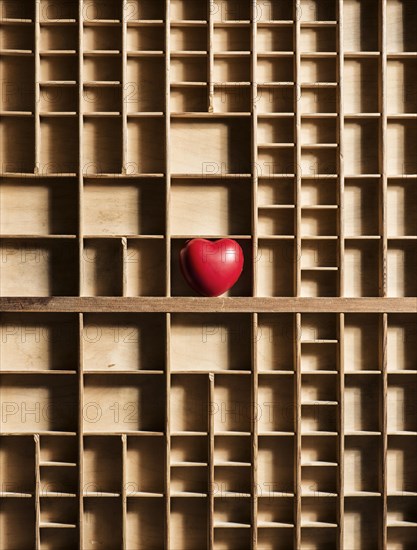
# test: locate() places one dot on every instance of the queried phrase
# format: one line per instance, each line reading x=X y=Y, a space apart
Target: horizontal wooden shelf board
x=207 y=305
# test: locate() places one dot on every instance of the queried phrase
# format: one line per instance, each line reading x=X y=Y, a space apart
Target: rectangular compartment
x=275 y=466
x=232 y=511
x=401 y=471
x=360 y=25
x=184 y=99
x=34 y=405
x=318 y=450
x=60 y=67
x=60 y=37
x=17 y=461
x=232 y=450
x=102 y=68
x=143 y=39
x=275 y=69
x=361 y=86
x=401 y=265
x=275 y=130
x=231 y=98
x=59 y=145
x=276 y=266
x=189 y=403
x=317 y=10
x=102 y=99
x=231 y=10
x=318 y=480
x=39 y=342
x=102 y=521
x=188 y=38
x=269 y=10
x=145 y=10
x=362 y=402
x=361 y=267
x=187 y=449
x=16 y=37
x=275 y=342
x=102 y=465
x=362 y=203
x=317 y=537
x=62 y=539
x=319 y=192
x=320 y=131
x=318 y=357
x=318 y=511
x=275 y=99
x=274 y=410
x=123 y=403
x=319 y=283
x=360 y=531
x=57 y=449
x=193 y=513
x=231 y=482
x=231 y=405
x=362 y=342
x=317 y=161
x=38 y=267
x=361 y=147
x=226 y=538
x=59 y=482
x=105 y=37
x=318 y=417
x=102 y=9
x=210 y=147
x=145 y=146
x=145 y=524
x=275 y=539
x=52 y=12
x=102 y=139
x=401 y=404
x=18 y=90
x=313 y=40
x=318 y=223
x=114 y=207
x=189 y=480
x=318 y=254
x=401 y=75
x=270 y=39
x=401 y=138
x=276 y=222
x=318 y=327
x=16 y=513
x=276 y=160
x=145 y=465
x=275 y=512
x=145 y=267
x=188 y=11
x=317 y=389
x=401 y=25
x=18 y=10
x=145 y=89
x=102 y=267
x=362 y=465
x=401 y=336
x=211 y=207
x=16 y=135
x=44 y=207
x=188 y=69
x=315 y=71
x=317 y=99
x=63 y=99
x=274 y=192
x=401 y=208
x=208 y=342
x=231 y=39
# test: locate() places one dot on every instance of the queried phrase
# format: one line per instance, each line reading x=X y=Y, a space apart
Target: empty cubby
x=318 y=222
x=361 y=267
x=144 y=523
x=101 y=68
x=271 y=39
x=21 y=10
x=320 y=131
x=232 y=450
x=102 y=153
x=188 y=481
x=210 y=207
x=61 y=481
x=316 y=512
x=275 y=130
x=275 y=512
x=143 y=39
x=362 y=465
x=123 y=342
x=185 y=69
x=114 y=207
x=187 y=449
x=275 y=342
x=231 y=10
x=16 y=513
x=319 y=192
x=318 y=417
x=319 y=536
x=16 y=37
x=275 y=264
x=361 y=397
x=401 y=135
x=36 y=267
x=313 y=40
x=271 y=538
x=102 y=465
x=274 y=410
x=102 y=267
x=144 y=10
x=145 y=465
x=401 y=471
x=188 y=99
x=360 y=25
x=361 y=88
x=276 y=69
x=102 y=99
x=316 y=161
x=401 y=265
x=361 y=207
x=316 y=71
x=317 y=254
x=317 y=99
x=317 y=389
x=18 y=90
x=318 y=357
x=39 y=342
x=401 y=404
x=318 y=480
x=189 y=403
x=231 y=409
x=401 y=24
x=321 y=283
x=318 y=450
x=17 y=460
x=145 y=267
x=101 y=9
x=191 y=512
x=234 y=98
x=58 y=450
x=401 y=334
x=275 y=192
x=62 y=37
x=145 y=90
x=60 y=67
x=103 y=37
x=362 y=342
x=229 y=39
x=231 y=511
x=145 y=146
x=17 y=135
x=102 y=521
x=188 y=11
x=37 y=405
x=54 y=99
x=52 y=12
x=319 y=328
x=269 y=10
x=275 y=99
x=59 y=145
x=317 y=10
x=123 y=403
x=231 y=482
x=401 y=208
x=276 y=221
x=275 y=466
x=188 y=38
x=401 y=73
x=361 y=147
x=361 y=522
x=276 y=160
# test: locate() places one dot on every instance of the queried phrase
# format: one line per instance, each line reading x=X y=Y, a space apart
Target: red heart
x=211 y=268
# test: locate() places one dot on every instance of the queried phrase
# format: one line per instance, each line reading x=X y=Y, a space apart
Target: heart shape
x=211 y=268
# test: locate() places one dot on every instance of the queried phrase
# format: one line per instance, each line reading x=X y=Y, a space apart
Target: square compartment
x=322 y=191
x=318 y=161
x=361 y=94
x=318 y=480
x=145 y=267
x=41 y=207
x=188 y=38
x=362 y=459
x=16 y=135
x=275 y=69
x=362 y=342
x=58 y=99
x=102 y=145
x=102 y=521
x=58 y=449
x=360 y=23
x=401 y=138
x=102 y=267
x=232 y=511
x=362 y=267
x=145 y=10
x=275 y=465
x=102 y=465
x=358 y=531
x=402 y=263
x=361 y=398
x=232 y=69
x=38 y=405
x=402 y=208
x=188 y=479
x=145 y=465
x=145 y=146
x=231 y=482
x=361 y=207
x=17 y=461
x=207 y=342
x=62 y=481
x=320 y=131
x=318 y=223
x=124 y=342
x=318 y=70
x=231 y=10
x=401 y=404
x=39 y=342
x=276 y=160
x=316 y=99
x=103 y=68
x=191 y=512
x=275 y=267
x=114 y=207
x=361 y=147
x=319 y=450
x=16 y=513
x=123 y=403
x=275 y=342
x=274 y=410
x=401 y=335
x=189 y=403
x=189 y=449
x=318 y=417
x=319 y=284
x=315 y=389
x=230 y=39
x=36 y=267
x=277 y=191
x=103 y=37
x=59 y=145
x=275 y=130
x=211 y=207
x=313 y=40
x=232 y=99
x=401 y=24
x=99 y=99
x=318 y=10
x=401 y=75
x=60 y=37
x=318 y=327
x=191 y=100
x=320 y=253
x=188 y=69
x=318 y=357
x=231 y=406
x=401 y=471
x=59 y=67
x=273 y=39
x=230 y=449
x=145 y=521
x=143 y=39
x=145 y=90
x=275 y=99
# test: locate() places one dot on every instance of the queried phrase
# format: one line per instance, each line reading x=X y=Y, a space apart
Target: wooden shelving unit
x=137 y=416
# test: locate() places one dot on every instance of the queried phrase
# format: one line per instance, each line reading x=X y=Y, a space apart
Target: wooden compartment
x=275 y=341
x=144 y=92
x=359 y=530
x=144 y=524
x=361 y=147
x=361 y=267
x=275 y=192
x=102 y=522
x=103 y=37
x=189 y=512
x=58 y=538
x=231 y=10
x=401 y=333
x=58 y=481
x=276 y=69
x=57 y=99
x=62 y=37
x=17 y=135
x=101 y=154
x=145 y=146
x=275 y=466
x=401 y=265
x=401 y=20
x=51 y=12
x=145 y=267
x=62 y=68
x=401 y=474
x=145 y=465
x=18 y=91
x=276 y=263
x=15 y=513
x=102 y=267
x=268 y=10
x=362 y=466
x=20 y=10
x=362 y=342
x=231 y=407
x=361 y=207
x=58 y=450
x=400 y=138
x=401 y=404
x=189 y=403
x=102 y=465
x=317 y=10
x=401 y=208
x=360 y=25
x=313 y=40
x=146 y=10
x=361 y=88
x=59 y=145
x=362 y=400
x=17 y=459
x=275 y=407
x=232 y=450
x=102 y=99
x=401 y=73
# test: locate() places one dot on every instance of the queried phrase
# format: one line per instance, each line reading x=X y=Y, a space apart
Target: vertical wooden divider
x=167 y=148
x=383 y=330
x=123 y=110
x=210 y=51
x=297 y=148
x=80 y=148
x=37 y=492
x=210 y=494
x=254 y=148
x=254 y=430
x=124 y=265
x=340 y=132
x=340 y=429
x=297 y=431
x=80 y=428
x=167 y=488
x=124 y=492
x=383 y=144
x=36 y=111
